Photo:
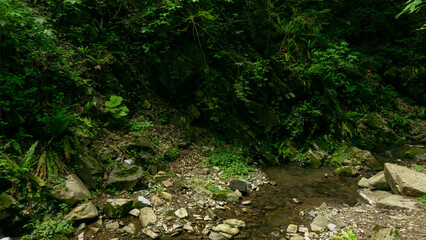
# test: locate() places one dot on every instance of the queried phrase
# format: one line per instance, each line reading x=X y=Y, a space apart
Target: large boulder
x=88 y=169
x=72 y=191
x=405 y=181
x=116 y=208
x=377 y=181
x=319 y=224
x=124 y=176
x=141 y=143
x=85 y=211
x=387 y=234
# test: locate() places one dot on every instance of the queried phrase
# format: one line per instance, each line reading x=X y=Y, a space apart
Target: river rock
x=161 y=176
x=188 y=228
x=203 y=191
x=319 y=224
x=141 y=202
x=297 y=238
x=216 y=236
x=112 y=226
x=405 y=181
x=73 y=192
x=147 y=217
x=84 y=211
x=387 y=234
x=239 y=185
x=211 y=214
x=135 y=212
x=157 y=201
x=225 y=228
x=292 y=228
x=116 y=208
x=235 y=223
x=88 y=169
x=166 y=196
x=130 y=229
x=181 y=213
x=124 y=176
x=378 y=181
x=363 y=183
x=150 y=233
x=397 y=202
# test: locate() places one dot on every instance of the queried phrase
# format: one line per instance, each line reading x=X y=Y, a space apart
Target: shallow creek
x=298 y=189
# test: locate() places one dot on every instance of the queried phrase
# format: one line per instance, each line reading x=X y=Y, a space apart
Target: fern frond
x=27 y=161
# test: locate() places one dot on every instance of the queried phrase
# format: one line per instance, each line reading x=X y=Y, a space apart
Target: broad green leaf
x=114 y=101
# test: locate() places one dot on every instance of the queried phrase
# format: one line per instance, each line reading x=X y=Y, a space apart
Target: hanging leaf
x=114 y=101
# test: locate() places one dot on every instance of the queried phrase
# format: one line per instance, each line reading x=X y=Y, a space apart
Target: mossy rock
x=5 y=205
x=124 y=176
x=315 y=158
x=406 y=151
x=400 y=142
x=346 y=171
x=373 y=121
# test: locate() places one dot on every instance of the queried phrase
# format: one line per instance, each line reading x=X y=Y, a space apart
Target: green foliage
x=20 y=175
x=170 y=154
x=413 y=6
x=57 y=124
x=347 y=235
x=115 y=107
x=51 y=227
x=422 y=199
x=140 y=127
x=230 y=161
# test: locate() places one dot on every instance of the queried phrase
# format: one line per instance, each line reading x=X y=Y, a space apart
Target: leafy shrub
x=171 y=154
x=231 y=162
x=115 y=107
x=348 y=235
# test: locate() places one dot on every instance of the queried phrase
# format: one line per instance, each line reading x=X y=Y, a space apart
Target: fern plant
x=347 y=235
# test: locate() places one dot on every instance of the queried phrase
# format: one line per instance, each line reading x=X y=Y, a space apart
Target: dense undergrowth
x=280 y=77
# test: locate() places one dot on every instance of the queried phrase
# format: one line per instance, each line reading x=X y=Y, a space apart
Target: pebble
x=292 y=228
x=247 y=202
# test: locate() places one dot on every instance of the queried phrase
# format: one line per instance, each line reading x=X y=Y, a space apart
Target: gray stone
x=167 y=183
x=83 y=212
x=124 y=176
x=203 y=191
x=181 y=213
x=141 y=202
x=88 y=169
x=331 y=226
x=216 y=236
x=211 y=214
x=247 y=202
x=73 y=192
x=235 y=223
x=372 y=197
x=161 y=176
x=147 y=217
x=157 y=201
x=378 y=181
x=239 y=185
x=6 y=238
x=225 y=228
x=112 y=226
x=166 y=196
x=319 y=224
x=405 y=181
x=80 y=236
x=420 y=157
x=135 y=212
x=150 y=233
x=140 y=144
x=363 y=182
x=188 y=228
x=130 y=229
x=117 y=208
x=297 y=238
x=397 y=202
x=387 y=234
x=292 y=228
